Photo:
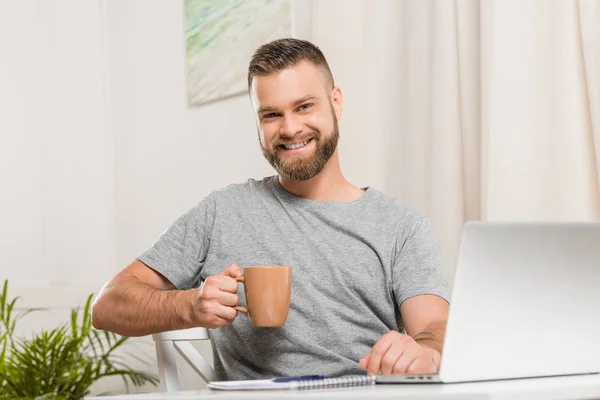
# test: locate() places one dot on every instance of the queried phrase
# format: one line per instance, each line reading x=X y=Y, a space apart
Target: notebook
x=318 y=382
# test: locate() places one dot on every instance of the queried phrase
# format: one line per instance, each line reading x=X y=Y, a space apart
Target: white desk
x=566 y=387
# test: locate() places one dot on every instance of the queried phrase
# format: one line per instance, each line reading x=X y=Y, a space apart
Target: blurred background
x=469 y=110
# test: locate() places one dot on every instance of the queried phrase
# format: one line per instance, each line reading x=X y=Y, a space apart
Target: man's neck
x=328 y=185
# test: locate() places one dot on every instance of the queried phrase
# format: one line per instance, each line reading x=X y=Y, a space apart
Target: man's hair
x=282 y=54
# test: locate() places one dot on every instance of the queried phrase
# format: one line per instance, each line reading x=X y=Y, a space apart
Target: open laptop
x=525 y=303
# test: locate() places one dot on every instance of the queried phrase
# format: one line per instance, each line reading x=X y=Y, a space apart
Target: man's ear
x=337 y=101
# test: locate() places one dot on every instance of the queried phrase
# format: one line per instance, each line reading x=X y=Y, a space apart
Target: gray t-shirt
x=353 y=264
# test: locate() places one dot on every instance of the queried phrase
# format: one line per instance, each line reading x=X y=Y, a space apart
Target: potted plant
x=61 y=363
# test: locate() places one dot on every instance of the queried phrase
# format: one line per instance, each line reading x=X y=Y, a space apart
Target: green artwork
x=221 y=36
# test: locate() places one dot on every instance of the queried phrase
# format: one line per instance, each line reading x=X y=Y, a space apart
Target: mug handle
x=239 y=308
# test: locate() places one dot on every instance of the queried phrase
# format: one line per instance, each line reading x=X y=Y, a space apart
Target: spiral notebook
x=294 y=383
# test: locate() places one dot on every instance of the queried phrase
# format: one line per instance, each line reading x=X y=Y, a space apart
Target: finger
x=227 y=299
x=404 y=361
x=364 y=362
x=212 y=292
x=228 y=313
x=232 y=271
x=217 y=283
x=391 y=358
x=377 y=353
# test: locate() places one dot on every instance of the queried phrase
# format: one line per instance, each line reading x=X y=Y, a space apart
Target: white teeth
x=295 y=145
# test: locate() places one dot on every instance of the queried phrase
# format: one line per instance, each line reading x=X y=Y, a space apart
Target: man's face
x=297 y=114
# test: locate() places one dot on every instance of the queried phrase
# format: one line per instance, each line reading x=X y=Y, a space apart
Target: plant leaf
x=61 y=363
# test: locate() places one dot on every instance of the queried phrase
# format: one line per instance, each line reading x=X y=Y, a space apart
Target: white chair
x=170 y=342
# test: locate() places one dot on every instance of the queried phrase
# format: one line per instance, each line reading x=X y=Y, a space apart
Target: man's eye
x=269 y=116
x=306 y=106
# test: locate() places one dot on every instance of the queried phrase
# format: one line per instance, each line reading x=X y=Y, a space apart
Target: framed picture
x=222 y=35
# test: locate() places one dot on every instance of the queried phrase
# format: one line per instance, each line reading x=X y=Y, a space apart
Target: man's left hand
x=396 y=353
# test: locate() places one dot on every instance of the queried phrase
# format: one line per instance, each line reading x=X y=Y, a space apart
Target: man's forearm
x=130 y=307
x=432 y=338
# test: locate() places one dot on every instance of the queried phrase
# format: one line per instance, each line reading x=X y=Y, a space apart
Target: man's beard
x=304 y=167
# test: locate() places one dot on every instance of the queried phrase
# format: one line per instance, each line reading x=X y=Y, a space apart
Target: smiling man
x=368 y=290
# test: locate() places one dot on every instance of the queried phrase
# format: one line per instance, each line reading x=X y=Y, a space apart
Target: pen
x=299 y=378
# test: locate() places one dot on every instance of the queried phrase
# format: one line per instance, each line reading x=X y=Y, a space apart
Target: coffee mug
x=268 y=290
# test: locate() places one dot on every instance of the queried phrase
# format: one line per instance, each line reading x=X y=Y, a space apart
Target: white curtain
x=492 y=108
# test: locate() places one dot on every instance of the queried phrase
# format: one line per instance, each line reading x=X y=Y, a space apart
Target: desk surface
x=565 y=387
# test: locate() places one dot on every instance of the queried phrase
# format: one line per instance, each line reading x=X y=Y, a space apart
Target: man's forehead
x=303 y=79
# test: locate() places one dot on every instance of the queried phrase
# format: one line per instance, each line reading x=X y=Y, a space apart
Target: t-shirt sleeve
x=418 y=267
x=179 y=253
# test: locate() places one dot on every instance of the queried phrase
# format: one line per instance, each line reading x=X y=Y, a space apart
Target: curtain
x=493 y=110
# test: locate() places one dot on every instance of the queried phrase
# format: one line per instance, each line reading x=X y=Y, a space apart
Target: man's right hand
x=215 y=300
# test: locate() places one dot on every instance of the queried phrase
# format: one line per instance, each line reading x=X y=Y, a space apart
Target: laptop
x=525 y=303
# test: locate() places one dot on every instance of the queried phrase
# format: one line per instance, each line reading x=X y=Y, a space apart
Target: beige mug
x=268 y=290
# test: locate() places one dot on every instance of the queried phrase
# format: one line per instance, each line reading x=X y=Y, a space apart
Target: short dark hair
x=282 y=54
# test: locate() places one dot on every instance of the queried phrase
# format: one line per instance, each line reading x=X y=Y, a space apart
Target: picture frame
x=222 y=35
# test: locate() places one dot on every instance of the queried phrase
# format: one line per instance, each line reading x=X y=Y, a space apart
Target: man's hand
x=396 y=353
x=216 y=299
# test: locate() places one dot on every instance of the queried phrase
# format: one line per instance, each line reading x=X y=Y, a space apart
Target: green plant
x=8 y=321
x=61 y=363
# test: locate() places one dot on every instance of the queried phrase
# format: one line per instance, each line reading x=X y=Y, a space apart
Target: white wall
x=56 y=157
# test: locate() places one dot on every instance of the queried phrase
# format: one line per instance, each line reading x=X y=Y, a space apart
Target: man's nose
x=291 y=125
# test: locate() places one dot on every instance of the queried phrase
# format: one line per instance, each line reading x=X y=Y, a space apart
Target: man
x=365 y=266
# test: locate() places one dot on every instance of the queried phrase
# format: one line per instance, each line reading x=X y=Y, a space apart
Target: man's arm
x=139 y=301
x=419 y=351
x=424 y=319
